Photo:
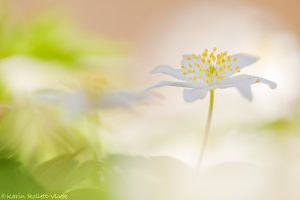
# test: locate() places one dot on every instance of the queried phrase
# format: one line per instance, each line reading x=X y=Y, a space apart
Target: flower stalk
x=207 y=128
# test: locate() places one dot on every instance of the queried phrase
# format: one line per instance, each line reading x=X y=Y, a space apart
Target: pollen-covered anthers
x=208 y=66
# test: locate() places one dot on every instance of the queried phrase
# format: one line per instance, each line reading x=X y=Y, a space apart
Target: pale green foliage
x=53 y=39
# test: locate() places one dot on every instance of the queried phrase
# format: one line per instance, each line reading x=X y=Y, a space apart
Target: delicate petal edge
x=171 y=83
x=168 y=70
x=191 y=95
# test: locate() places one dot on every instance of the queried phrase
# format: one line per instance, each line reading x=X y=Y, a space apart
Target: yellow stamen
x=209 y=66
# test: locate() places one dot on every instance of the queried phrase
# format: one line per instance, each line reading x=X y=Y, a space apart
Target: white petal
x=243 y=83
x=245 y=91
x=173 y=83
x=165 y=69
x=47 y=96
x=242 y=61
x=244 y=79
x=191 y=95
x=122 y=99
x=73 y=103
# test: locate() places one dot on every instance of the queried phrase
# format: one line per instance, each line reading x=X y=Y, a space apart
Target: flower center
x=209 y=66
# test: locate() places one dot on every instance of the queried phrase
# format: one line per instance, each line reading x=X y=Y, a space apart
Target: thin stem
x=206 y=133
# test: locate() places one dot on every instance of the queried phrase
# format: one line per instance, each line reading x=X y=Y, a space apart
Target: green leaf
x=15 y=179
x=64 y=173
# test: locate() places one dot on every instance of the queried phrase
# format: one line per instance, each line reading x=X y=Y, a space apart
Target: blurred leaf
x=154 y=168
x=5 y=94
x=51 y=37
x=26 y=132
x=280 y=125
x=15 y=179
x=148 y=164
x=87 y=193
x=283 y=127
x=141 y=177
x=65 y=173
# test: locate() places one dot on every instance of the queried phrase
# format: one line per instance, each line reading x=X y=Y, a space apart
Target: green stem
x=206 y=133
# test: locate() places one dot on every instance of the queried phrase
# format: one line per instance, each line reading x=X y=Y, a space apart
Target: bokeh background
x=74 y=120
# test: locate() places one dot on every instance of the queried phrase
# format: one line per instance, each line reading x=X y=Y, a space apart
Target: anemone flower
x=207 y=72
x=76 y=103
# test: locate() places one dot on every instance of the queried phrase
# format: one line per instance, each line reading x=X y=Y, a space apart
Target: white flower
x=209 y=71
x=77 y=102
